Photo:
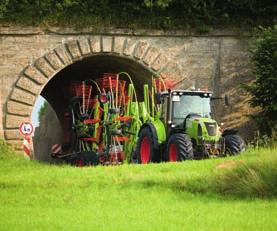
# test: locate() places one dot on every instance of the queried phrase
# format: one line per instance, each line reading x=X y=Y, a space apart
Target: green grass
x=193 y=195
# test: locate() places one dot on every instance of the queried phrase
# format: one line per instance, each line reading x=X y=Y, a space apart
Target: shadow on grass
x=5 y=185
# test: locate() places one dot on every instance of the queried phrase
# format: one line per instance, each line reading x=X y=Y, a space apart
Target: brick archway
x=34 y=77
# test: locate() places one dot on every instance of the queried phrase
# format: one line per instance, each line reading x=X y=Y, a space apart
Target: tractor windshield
x=186 y=104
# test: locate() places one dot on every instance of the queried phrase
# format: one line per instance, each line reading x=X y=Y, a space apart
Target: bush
x=162 y=14
x=4 y=148
x=263 y=89
x=6 y=152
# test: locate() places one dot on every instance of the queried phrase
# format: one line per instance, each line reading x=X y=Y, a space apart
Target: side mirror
x=226 y=100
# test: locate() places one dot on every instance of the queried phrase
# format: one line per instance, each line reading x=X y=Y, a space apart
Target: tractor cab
x=179 y=105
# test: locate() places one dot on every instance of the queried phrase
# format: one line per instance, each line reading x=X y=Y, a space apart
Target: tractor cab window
x=183 y=105
x=164 y=108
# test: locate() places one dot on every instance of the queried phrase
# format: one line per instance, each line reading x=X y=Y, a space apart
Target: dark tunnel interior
x=93 y=68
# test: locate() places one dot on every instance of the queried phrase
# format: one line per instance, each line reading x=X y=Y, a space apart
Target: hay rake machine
x=102 y=120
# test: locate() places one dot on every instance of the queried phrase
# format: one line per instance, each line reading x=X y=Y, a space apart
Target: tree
x=263 y=90
x=42 y=110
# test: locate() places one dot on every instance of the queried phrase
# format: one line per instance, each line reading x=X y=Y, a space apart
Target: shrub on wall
x=130 y=13
x=3 y=5
x=264 y=89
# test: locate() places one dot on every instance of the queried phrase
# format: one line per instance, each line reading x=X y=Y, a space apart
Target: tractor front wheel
x=146 y=150
x=179 y=148
x=234 y=144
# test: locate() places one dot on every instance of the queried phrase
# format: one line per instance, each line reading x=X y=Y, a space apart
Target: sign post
x=26 y=129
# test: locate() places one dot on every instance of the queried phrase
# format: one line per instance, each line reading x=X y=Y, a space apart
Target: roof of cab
x=188 y=92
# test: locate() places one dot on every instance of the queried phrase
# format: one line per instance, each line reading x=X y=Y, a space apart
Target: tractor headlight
x=173 y=125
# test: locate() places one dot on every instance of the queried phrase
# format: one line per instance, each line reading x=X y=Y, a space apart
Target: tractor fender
x=154 y=132
x=229 y=132
x=174 y=131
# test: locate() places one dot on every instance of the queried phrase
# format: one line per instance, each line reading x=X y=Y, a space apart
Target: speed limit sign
x=26 y=128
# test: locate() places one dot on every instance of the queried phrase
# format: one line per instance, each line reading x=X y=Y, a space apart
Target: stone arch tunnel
x=219 y=62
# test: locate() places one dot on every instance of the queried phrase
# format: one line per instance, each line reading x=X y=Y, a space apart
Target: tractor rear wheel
x=146 y=150
x=234 y=144
x=179 y=148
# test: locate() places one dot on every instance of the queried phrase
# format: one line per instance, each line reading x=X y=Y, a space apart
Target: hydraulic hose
x=129 y=77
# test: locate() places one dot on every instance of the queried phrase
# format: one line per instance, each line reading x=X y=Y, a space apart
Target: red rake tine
x=83 y=89
x=116 y=90
x=123 y=92
x=111 y=89
x=90 y=89
x=122 y=95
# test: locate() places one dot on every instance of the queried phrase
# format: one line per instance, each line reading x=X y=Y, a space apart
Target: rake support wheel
x=146 y=150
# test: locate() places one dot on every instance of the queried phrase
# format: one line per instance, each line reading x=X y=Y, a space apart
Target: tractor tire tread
x=234 y=144
x=184 y=144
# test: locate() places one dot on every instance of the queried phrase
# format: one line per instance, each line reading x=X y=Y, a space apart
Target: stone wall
x=30 y=57
x=48 y=133
x=1 y=117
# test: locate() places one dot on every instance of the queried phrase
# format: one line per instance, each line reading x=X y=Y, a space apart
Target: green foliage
x=5 y=150
x=3 y=7
x=158 y=3
x=42 y=110
x=263 y=90
x=264 y=140
x=7 y=153
x=161 y=14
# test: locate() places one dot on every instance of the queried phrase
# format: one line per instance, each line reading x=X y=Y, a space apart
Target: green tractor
x=183 y=129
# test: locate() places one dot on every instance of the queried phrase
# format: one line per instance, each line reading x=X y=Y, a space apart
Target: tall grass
x=5 y=150
x=254 y=174
x=254 y=179
x=264 y=140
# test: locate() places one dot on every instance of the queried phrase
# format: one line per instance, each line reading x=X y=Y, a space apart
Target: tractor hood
x=202 y=129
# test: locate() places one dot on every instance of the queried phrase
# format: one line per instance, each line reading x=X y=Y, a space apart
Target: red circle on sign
x=26 y=128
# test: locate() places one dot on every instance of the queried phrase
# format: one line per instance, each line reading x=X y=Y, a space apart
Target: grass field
x=234 y=193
